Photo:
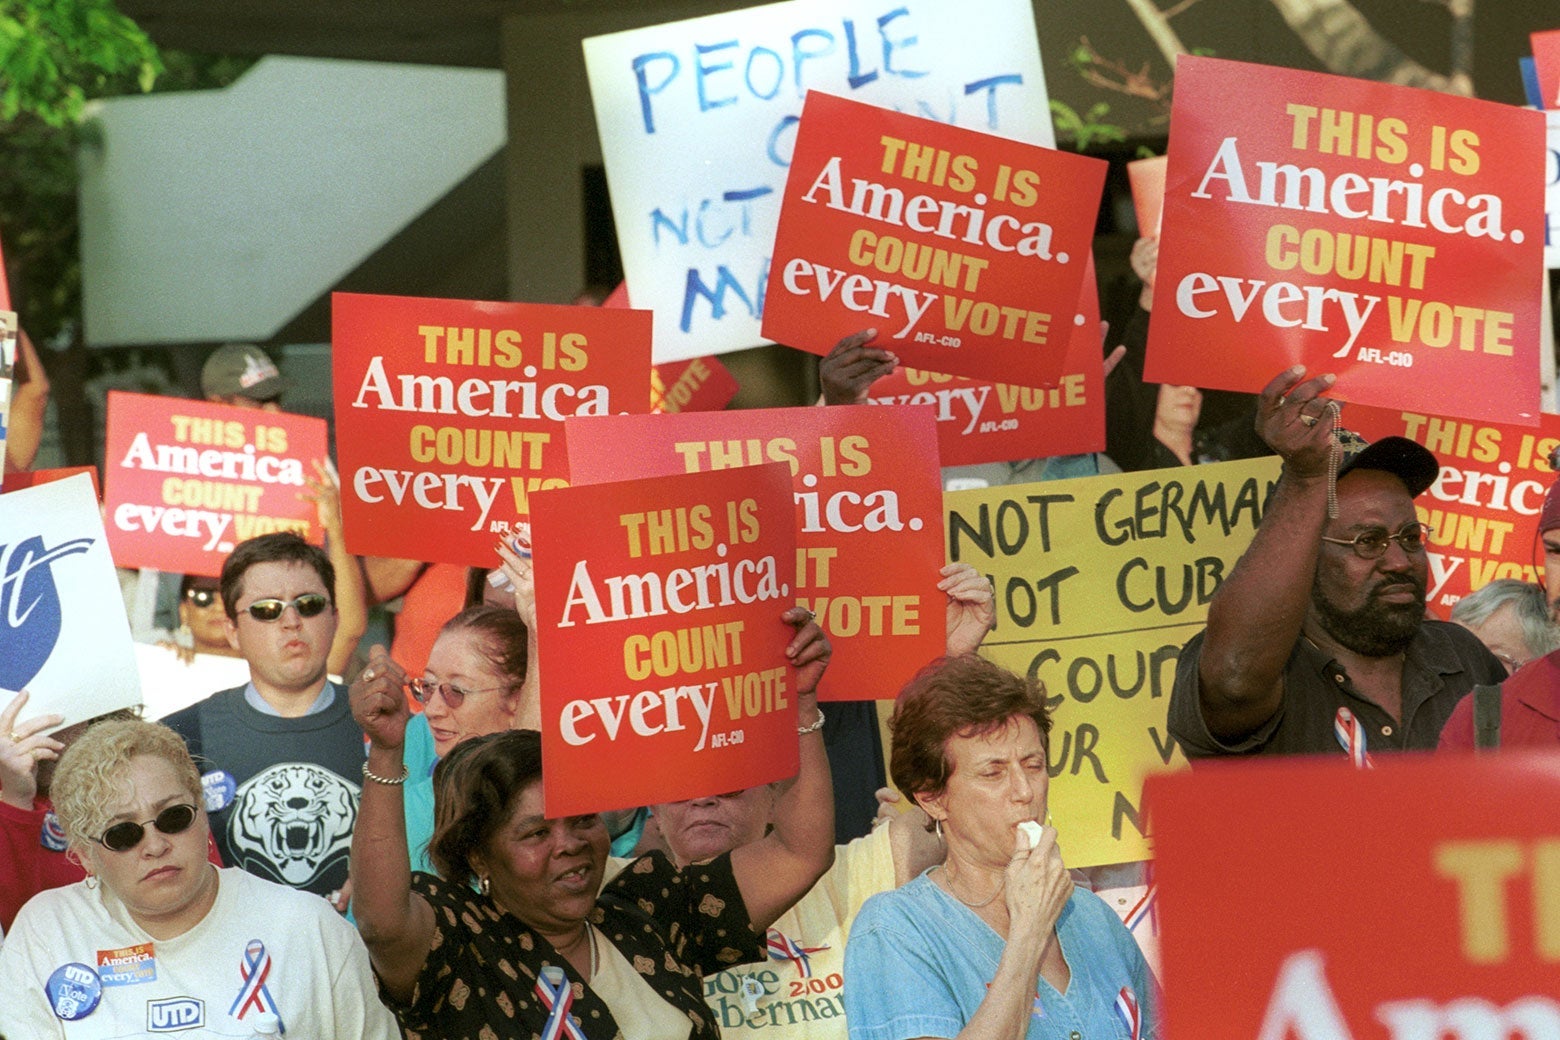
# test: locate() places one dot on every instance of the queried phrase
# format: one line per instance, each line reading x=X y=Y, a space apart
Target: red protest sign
x=981 y=421
x=1348 y=869
x=1484 y=506
x=34 y=477
x=1382 y=233
x=965 y=251
x=868 y=517
x=449 y=413
x=185 y=481
x=660 y=635
x=1546 y=63
x=696 y=385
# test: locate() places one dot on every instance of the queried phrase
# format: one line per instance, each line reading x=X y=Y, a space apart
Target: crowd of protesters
x=350 y=840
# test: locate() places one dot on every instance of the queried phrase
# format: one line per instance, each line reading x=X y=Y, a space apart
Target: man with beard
x=1318 y=640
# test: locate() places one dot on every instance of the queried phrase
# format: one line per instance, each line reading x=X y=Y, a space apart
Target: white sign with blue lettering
x=64 y=635
x=697 y=119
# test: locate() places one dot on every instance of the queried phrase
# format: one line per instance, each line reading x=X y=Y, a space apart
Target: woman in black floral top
x=457 y=962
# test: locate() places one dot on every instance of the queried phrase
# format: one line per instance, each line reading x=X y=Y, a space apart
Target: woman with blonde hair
x=156 y=938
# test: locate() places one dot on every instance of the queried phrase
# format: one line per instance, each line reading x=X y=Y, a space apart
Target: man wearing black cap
x=243 y=375
x=1318 y=640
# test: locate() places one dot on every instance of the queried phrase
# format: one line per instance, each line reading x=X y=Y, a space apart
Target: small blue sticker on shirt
x=52 y=835
x=74 y=991
x=217 y=790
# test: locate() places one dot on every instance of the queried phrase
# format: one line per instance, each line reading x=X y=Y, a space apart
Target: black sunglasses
x=122 y=837
x=310 y=604
x=201 y=597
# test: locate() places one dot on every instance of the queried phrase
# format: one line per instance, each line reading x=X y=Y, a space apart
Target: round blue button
x=74 y=991
x=217 y=790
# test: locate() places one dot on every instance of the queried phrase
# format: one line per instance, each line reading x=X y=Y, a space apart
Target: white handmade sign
x=64 y=635
x=697 y=119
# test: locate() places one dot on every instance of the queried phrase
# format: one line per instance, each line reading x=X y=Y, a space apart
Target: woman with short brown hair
x=996 y=942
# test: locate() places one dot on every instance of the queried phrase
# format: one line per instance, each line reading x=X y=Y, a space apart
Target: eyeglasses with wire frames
x=122 y=837
x=310 y=604
x=1371 y=543
x=422 y=690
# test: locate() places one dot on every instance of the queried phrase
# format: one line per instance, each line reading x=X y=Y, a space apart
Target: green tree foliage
x=56 y=56
x=58 y=53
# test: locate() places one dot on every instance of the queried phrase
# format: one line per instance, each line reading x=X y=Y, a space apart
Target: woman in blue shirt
x=996 y=942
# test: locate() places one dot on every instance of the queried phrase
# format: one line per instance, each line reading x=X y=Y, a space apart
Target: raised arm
x=29 y=402
x=389 y=577
x=324 y=490
x=396 y=924
x=778 y=869
x=1257 y=613
x=517 y=569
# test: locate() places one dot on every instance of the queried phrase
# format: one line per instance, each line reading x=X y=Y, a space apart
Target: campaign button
x=74 y=991
x=217 y=790
x=52 y=836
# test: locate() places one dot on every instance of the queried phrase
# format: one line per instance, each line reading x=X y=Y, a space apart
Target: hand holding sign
x=22 y=746
x=1290 y=419
x=808 y=653
x=972 y=608
x=848 y=371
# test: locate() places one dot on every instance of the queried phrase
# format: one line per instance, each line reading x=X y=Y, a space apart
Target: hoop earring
x=92 y=881
x=937 y=826
x=485 y=886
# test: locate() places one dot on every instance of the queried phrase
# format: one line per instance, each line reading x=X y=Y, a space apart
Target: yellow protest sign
x=1099 y=581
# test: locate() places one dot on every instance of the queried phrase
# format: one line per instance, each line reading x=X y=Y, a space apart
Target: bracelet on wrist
x=816 y=725
x=369 y=774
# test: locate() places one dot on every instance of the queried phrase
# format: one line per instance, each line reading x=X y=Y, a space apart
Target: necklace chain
x=588 y=935
x=973 y=906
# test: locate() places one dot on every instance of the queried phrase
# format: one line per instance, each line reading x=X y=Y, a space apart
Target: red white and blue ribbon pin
x=1351 y=736
x=1145 y=910
x=782 y=948
x=253 y=995
x=557 y=996
x=1127 y=1008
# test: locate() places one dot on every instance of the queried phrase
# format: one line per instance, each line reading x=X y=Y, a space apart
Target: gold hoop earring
x=92 y=881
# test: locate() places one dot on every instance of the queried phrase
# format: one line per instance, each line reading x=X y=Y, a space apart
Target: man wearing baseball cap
x=1318 y=642
x=242 y=374
x=1529 y=714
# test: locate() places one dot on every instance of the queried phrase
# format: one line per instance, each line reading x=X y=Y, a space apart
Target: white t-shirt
x=262 y=948
x=802 y=996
